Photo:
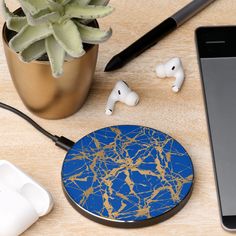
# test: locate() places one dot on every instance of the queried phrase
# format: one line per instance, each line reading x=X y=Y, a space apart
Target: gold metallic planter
x=44 y=95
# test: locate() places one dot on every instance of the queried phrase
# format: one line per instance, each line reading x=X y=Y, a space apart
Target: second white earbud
x=172 y=68
x=121 y=93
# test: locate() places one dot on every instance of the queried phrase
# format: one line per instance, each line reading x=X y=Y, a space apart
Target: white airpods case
x=22 y=200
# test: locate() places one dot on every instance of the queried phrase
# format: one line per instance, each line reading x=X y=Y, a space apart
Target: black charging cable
x=61 y=142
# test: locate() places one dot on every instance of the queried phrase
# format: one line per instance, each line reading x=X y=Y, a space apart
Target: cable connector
x=61 y=142
x=64 y=143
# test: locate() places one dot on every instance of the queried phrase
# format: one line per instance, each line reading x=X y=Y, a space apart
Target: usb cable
x=61 y=141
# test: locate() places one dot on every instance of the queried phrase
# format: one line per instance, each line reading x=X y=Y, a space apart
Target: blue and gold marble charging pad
x=127 y=176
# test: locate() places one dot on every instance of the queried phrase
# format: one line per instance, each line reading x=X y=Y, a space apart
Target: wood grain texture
x=180 y=115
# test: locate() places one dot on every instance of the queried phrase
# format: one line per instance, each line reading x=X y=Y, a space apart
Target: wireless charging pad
x=127 y=176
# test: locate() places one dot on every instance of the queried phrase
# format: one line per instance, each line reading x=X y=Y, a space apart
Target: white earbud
x=172 y=68
x=121 y=93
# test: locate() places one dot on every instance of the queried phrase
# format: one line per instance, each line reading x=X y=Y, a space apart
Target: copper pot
x=44 y=95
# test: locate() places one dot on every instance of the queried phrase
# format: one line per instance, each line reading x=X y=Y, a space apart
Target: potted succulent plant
x=51 y=48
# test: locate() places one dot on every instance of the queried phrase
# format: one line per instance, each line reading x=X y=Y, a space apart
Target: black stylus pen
x=156 y=34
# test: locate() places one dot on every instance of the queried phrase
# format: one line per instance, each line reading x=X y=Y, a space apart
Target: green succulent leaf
x=87 y=12
x=99 y=2
x=56 y=55
x=34 y=51
x=68 y=36
x=63 y=2
x=55 y=6
x=5 y=11
x=35 y=6
x=29 y=35
x=43 y=17
x=81 y=2
x=14 y=22
x=95 y=3
x=68 y=57
x=93 y=35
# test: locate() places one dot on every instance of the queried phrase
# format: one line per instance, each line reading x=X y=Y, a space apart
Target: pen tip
x=113 y=64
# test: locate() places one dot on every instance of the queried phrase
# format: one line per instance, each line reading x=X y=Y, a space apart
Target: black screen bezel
x=216 y=34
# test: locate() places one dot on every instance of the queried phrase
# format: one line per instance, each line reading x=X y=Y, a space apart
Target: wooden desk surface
x=180 y=115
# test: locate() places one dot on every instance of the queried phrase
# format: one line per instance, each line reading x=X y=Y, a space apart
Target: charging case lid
x=22 y=200
x=14 y=179
x=127 y=176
